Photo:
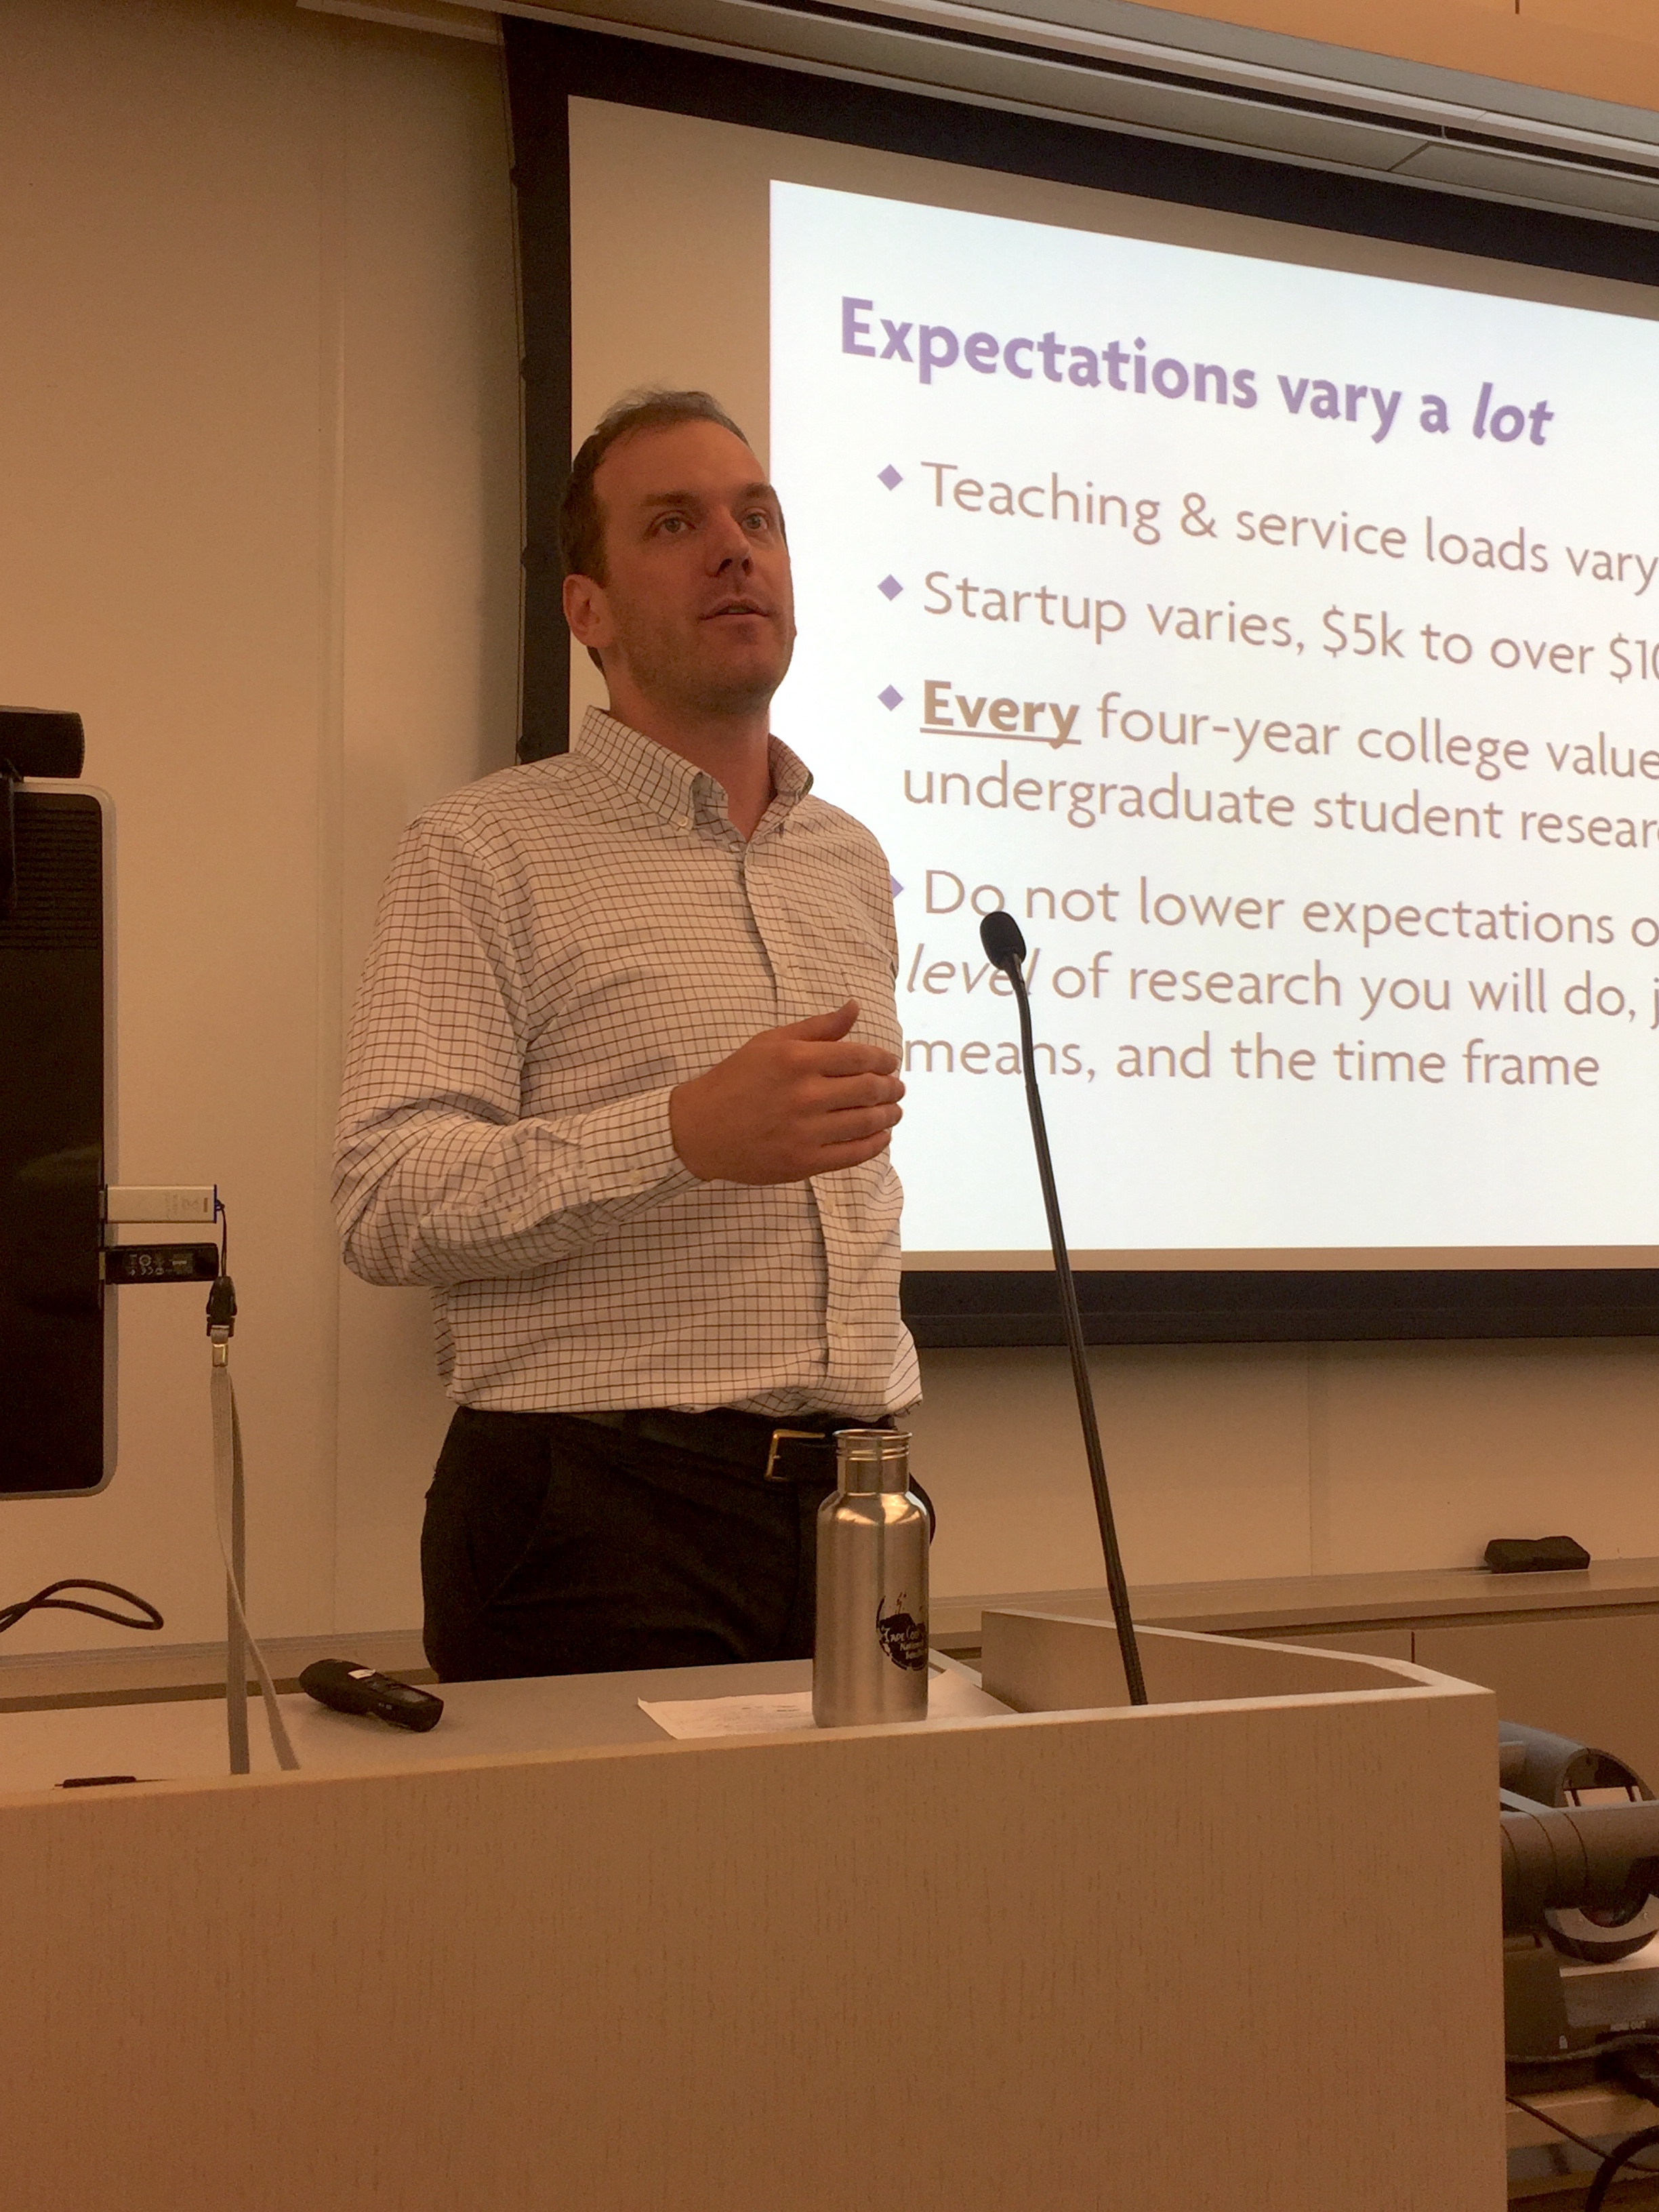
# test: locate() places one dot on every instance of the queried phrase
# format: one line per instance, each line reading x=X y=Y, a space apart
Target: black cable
x=1639 y=2072
x=1620 y=2155
x=222 y=1298
x=1637 y=2039
x=47 y=1600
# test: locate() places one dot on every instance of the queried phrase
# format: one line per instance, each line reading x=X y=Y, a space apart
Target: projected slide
x=1280 y=646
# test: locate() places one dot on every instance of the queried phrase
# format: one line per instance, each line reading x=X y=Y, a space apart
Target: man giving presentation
x=620 y=1086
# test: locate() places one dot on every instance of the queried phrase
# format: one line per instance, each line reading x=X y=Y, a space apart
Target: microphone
x=1005 y=945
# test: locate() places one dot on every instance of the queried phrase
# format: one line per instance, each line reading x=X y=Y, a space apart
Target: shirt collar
x=661 y=783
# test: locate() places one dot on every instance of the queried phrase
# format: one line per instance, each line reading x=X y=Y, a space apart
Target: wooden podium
x=1239 y=1949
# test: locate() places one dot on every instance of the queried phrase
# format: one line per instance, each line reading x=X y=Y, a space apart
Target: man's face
x=697 y=610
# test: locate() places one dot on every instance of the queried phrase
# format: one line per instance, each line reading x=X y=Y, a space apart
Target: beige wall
x=259 y=438
x=1241 y=1460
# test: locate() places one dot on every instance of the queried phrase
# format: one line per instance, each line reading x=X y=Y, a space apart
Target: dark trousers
x=556 y=1546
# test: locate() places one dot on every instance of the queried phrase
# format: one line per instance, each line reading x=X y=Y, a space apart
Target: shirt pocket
x=844 y=956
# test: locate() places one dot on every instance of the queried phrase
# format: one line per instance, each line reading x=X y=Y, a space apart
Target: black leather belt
x=800 y=1449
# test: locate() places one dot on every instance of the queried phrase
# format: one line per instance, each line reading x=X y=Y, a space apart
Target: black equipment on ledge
x=1005 y=946
x=1535 y=1555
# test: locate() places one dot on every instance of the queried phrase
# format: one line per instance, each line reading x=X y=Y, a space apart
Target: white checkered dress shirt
x=557 y=947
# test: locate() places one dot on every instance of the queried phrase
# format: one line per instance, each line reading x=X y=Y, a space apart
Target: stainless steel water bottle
x=871 y=1659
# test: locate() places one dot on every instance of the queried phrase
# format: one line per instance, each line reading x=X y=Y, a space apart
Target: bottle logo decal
x=903 y=1637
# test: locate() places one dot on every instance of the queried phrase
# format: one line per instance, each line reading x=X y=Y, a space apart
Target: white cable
x=235 y=1581
x=239 y=1644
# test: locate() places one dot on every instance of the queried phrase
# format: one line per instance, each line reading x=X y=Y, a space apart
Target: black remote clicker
x=353 y=1689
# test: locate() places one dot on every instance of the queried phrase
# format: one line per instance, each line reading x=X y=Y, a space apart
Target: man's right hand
x=792 y=1103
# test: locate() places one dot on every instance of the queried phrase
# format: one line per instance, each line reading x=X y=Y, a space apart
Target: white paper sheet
x=951 y=1695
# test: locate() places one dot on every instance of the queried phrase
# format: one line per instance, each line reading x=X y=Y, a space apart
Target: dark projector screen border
x=548 y=65
x=1254 y=1305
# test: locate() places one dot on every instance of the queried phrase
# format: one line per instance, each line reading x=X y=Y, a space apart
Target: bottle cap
x=873 y=1459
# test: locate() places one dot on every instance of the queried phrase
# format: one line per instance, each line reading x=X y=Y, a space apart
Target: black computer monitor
x=56 y=1091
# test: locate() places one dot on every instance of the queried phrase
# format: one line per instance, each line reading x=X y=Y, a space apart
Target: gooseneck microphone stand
x=1005 y=945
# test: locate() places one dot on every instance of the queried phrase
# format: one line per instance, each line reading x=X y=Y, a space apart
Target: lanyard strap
x=230 y=1518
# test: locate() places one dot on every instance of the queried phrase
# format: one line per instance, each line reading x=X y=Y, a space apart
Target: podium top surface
x=1054 y=1667
x=1446 y=1594
x=183 y=1739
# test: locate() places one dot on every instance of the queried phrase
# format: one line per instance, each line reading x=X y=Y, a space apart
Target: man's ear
x=588 y=611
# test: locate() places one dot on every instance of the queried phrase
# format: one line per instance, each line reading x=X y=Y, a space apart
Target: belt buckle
x=789 y=1436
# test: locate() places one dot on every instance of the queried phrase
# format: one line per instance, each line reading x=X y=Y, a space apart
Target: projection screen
x=1266 y=616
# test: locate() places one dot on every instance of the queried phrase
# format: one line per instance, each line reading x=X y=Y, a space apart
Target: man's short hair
x=581 y=526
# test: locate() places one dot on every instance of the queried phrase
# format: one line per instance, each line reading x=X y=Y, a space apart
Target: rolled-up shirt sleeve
x=438 y=1178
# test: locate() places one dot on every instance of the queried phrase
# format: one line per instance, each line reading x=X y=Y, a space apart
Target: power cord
x=1609 y=2163
x=1635 y=2039
x=1537 y=2112
x=1620 y=2155
x=1639 y=2072
x=47 y=1600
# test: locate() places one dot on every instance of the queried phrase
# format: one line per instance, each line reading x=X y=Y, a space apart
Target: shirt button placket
x=765 y=874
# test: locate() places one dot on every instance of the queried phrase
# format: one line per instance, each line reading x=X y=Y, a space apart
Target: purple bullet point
x=897 y=885
x=889 y=698
x=890 y=476
x=890 y=587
